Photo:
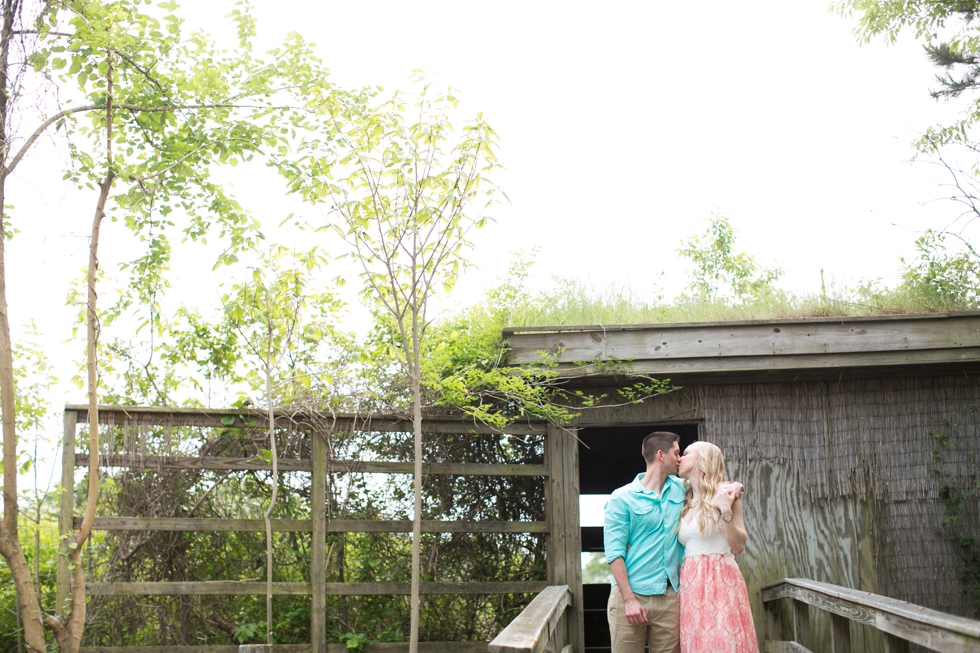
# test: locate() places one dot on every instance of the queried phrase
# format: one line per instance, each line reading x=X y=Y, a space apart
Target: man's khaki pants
x=661 y=632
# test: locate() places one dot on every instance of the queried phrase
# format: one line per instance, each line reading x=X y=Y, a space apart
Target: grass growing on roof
x=730 y=285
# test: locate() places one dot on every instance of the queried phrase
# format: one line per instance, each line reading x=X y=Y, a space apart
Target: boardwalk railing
x=900 y=622
x=539 y=627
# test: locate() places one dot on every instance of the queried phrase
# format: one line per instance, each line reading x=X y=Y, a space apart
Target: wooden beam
x=571 y=328
x=306 y=525
x=318 y=546
x=275 y=648
x=530 y=631
x=771 y=365
x=380 y=647
x=232 y=587
x=727 y=339
x=196 y=524
x=67 y=507
x=306 y=465
x=212 y=418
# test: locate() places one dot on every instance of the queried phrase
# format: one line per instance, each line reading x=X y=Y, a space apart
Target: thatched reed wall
x=843 y=479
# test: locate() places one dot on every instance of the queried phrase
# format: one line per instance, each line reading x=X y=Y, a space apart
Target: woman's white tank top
x=694 y=544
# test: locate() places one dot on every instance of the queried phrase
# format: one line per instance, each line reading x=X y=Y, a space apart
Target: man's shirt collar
x=669 y=483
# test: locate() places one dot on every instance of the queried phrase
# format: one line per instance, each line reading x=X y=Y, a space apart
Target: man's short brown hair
x=658 y=441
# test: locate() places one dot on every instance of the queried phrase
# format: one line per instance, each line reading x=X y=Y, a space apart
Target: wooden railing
x=900 y=622
x=540 y=627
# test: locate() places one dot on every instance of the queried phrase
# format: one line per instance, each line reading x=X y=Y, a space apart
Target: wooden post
x=774 y=620
x=573 y=541
x=840 y=633
x=318 y=553
x=895 y=644
x=565 y=544
x=67 y=505
x=801 y=624
x=554 y=508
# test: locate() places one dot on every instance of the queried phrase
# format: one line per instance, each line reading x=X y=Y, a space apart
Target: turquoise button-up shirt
x=641 y=528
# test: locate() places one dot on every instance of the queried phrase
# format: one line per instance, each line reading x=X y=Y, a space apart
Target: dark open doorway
x=609 y=457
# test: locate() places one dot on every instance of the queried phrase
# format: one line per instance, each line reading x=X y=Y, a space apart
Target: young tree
x=155 y=112
x=268 y=313
x=408 y=193
x=721 y=273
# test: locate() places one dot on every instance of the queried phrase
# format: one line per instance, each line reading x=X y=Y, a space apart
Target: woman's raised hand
x=728 y=494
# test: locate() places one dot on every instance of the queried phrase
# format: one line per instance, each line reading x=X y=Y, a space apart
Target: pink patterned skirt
x=715 y=612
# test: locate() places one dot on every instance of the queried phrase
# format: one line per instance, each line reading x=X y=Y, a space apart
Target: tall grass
x=572 y=302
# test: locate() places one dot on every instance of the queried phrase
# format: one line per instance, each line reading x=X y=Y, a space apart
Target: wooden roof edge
x=843 y=319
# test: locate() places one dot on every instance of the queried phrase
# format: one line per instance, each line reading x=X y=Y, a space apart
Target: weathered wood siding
x=840 y=481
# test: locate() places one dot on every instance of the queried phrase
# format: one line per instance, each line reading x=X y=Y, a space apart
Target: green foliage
x=464 y=360
x=47 y=555
x=942 y=279
x=153 y=111
x=286 y=322
x=595 y=569
x=720 y=273
x=33 y=382
x=406 y=193
x=464 y=364
x=950 y=33
x=959 y=482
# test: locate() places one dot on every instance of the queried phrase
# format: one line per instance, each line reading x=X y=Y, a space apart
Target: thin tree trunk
x=275 y=481
x=10 y=549
x=69 y=634
x=415 y=373
x=37 y=552
x=20 y=631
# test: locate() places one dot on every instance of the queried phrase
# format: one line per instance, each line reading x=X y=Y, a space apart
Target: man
x=643 y=552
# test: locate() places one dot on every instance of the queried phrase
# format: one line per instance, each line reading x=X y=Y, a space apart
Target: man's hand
x=635 y=614
x=728 y=494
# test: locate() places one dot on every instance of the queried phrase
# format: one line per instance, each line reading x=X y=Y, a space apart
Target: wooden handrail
x=537 y=624
x=897 y=619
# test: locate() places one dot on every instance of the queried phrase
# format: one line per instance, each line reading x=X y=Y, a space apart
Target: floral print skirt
x=715 y=612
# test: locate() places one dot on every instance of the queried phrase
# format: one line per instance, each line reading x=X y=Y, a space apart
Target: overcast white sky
x=622 y=126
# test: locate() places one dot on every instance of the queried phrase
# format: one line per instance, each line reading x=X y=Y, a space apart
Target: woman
x=715 y=613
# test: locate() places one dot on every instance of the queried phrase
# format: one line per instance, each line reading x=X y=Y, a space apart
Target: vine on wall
x=958 y=495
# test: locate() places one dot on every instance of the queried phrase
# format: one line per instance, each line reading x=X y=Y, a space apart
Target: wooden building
x=844 y=431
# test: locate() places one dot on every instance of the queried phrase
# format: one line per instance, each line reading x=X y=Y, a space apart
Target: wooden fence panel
x=136 y=422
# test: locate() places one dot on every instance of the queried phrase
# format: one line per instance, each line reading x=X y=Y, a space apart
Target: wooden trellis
x=560 y=525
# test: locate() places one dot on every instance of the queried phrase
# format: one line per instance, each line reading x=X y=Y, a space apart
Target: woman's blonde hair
x=711 y=474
